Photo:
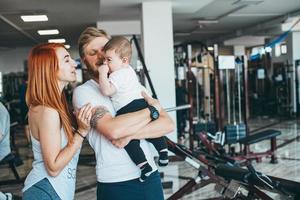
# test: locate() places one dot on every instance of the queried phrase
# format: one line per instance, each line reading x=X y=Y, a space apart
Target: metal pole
x=144 y=66
x=239 y=91
x=190 y=96
x=216 y=90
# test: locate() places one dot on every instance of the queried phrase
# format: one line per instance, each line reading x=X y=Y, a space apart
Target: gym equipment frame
x=233 y=182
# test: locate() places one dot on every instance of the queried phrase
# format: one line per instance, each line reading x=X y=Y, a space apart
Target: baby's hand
x=151 y=101
x=103 y=70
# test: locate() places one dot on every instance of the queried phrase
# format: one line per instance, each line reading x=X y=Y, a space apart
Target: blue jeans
x=42 y=190
x=151 y=189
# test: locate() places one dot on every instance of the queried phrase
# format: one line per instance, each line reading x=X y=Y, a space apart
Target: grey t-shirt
x=4 y=131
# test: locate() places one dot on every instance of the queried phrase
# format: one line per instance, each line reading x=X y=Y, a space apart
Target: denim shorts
x=151 y=189
x=42 y=190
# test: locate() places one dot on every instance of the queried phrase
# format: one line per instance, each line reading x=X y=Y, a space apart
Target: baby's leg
x=137 y=155
x=160 y=145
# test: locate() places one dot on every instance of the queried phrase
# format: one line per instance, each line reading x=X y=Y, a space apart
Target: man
x=117 y=175
x=4 y=141
x=4 y=132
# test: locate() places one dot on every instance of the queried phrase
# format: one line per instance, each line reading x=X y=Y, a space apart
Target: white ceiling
x=72 y=16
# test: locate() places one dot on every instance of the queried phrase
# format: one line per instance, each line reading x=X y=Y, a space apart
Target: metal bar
x=228 y=97
x=246 y=99
x=190 y=96
x=144 y=66
x=216 y=90
x=183 y=107
x=239 y=92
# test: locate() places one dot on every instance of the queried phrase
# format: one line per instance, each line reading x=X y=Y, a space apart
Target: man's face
x=93 y=54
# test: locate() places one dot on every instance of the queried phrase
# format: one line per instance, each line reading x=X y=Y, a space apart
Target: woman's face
x=67 y=71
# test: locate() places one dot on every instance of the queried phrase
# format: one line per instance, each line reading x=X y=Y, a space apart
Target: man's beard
x=94 y=72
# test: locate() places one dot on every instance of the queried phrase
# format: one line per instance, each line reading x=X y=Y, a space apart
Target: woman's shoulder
x=41 y=111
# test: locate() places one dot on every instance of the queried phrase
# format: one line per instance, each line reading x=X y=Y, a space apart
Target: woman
x=56 y=137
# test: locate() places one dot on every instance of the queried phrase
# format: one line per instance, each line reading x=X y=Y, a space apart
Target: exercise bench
x=12 y=161
x=269 y=134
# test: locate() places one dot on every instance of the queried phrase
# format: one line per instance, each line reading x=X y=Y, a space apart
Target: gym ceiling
x=201 y=20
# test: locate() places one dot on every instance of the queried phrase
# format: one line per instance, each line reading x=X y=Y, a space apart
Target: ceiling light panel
x=48 y=32
x=61 y=40
x=34 y=18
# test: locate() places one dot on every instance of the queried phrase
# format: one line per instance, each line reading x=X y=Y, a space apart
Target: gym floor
x=288 y=166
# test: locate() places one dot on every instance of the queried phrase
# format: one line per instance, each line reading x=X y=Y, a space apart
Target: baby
x=124 y=89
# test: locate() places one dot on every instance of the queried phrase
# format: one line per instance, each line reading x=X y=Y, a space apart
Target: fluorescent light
x=48 y=32
x=254 y=14
x=61 y=40
x=210 y=48
x=182 y=34
x=247 y=2
x=34 y=18
x=208 y=21
x=67 y=46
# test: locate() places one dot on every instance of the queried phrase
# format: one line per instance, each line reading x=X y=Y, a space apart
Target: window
x=283 y=49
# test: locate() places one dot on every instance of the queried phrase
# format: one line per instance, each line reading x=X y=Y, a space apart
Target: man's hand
x=122 y=142
x=152 y=102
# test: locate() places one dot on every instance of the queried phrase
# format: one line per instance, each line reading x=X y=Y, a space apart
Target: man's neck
x=96 y=79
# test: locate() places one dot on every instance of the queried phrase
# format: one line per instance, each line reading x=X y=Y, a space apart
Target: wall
x=285 y=57
x=12 y=60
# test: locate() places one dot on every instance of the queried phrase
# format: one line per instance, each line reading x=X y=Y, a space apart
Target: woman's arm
x=49 y=131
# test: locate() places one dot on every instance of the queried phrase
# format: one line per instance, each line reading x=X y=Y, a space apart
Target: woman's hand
x=122 y=142
x=83 y=117
x=152 y=102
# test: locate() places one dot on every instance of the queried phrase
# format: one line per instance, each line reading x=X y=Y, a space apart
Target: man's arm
x=160 y=127
x=128 y=124
x=121 y=126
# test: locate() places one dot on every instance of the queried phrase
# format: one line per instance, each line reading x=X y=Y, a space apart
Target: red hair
x=42 y=89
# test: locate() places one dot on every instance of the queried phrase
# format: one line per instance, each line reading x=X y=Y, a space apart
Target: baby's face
x=113 y=60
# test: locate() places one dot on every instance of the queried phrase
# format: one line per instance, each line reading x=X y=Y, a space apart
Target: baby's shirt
x=128 y=87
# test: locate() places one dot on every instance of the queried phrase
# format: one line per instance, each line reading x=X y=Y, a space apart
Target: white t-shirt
x=112 y=164
x=128 y=87
x=64 y=183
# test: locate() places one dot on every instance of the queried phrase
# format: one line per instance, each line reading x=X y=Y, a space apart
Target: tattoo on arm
x=98 y=114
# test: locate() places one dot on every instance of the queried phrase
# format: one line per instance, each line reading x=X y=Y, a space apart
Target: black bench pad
x=260 y=136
